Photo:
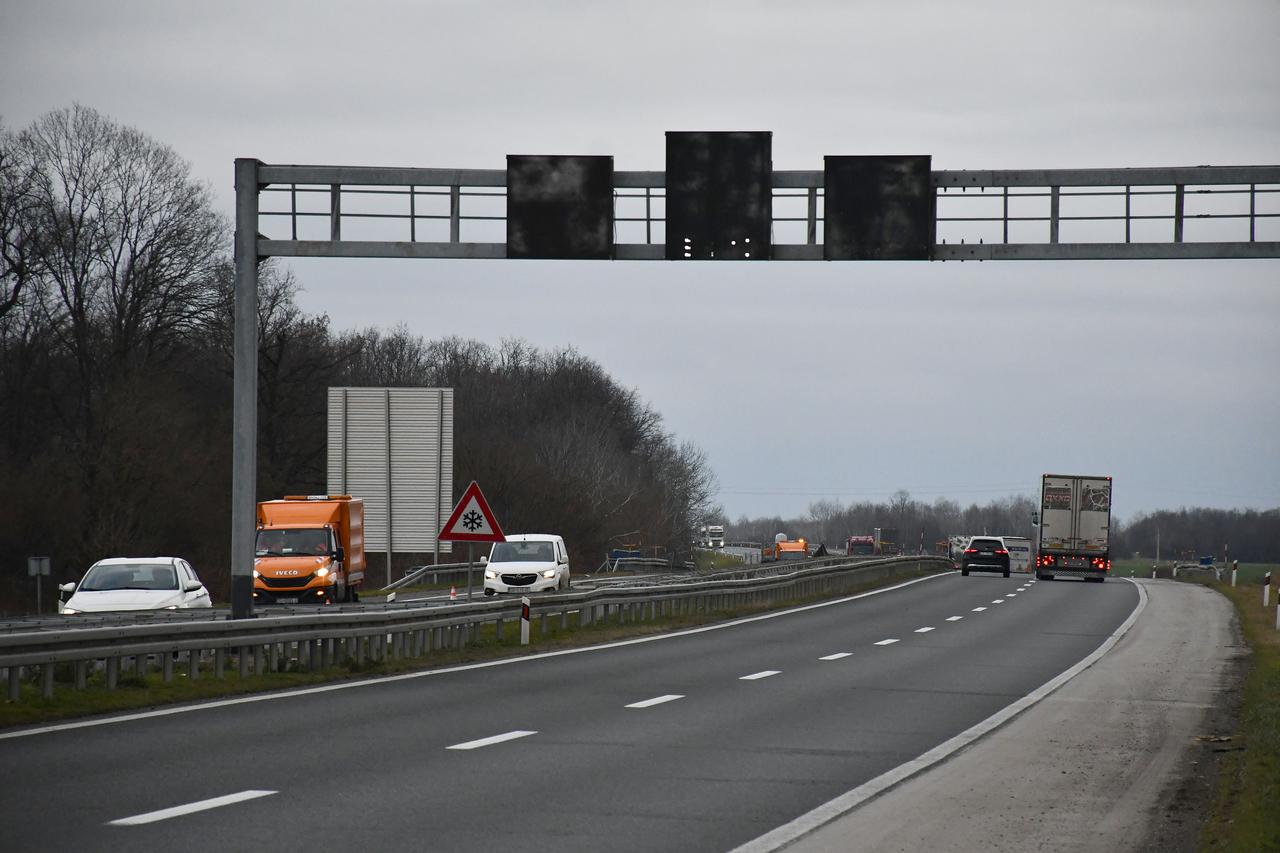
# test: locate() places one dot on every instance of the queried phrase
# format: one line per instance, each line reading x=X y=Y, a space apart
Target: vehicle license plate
x=290 y=600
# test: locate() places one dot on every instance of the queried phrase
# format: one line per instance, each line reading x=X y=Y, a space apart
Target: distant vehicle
x=887 y=542
x=527 y=562
x=985 y=554
x=309 y=549
x=1073 y=527
x=136 y=583
x=784 y=548
x=956 y=546
x=860 y=546
x=712 y=536
x=1019 y=548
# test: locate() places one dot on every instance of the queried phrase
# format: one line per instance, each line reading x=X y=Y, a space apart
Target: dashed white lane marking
x=923 y=630
x=1012 y=595
x=979 y=609
x=836 y=656
x=998 y=601
x=954 y=618
x=756 y=676
x=656 y=700
x=490 y=741
x=189 y=808
x=886 y=642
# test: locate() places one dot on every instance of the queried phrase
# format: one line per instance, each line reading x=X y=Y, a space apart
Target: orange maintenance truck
x=310 y=548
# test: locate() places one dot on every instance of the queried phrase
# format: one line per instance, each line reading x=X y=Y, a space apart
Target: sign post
x=472 y=521
x=38 y=567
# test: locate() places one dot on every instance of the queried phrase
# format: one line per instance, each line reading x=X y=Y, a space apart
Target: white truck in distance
x=1073 y=527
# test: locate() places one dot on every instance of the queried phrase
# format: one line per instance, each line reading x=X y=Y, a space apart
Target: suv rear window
x=987 y=544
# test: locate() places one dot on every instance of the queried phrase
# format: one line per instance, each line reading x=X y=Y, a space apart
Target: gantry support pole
x=244 y=405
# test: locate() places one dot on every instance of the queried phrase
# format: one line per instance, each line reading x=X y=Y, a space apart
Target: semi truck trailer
x=1073 y=527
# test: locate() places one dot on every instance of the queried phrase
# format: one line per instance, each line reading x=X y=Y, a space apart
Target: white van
x=1019 y=548
x=527 y=562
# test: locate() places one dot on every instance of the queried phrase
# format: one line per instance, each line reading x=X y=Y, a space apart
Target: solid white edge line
x=656 y=700
x=407 y=676
x=756 y=676
x=836 y=656
x=490 y=741
x=189 y=808
x=847 y=802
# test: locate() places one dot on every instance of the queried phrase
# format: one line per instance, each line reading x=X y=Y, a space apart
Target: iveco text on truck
x=310 y=549
x=1073 y=527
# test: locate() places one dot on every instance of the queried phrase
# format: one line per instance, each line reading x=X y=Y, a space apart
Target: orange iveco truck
x=310 y=548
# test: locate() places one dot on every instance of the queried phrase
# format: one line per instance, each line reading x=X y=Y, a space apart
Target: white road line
x=449 y=670
x=189 y=808
x=836 y=656
x=998 y=601
x=787 y=833
x=490 y=741
x=886 y=642
x=1012 y=595
x=657 y=700
x=979 y=609
x=756 y=676
x=954 y=618
x=923 y=630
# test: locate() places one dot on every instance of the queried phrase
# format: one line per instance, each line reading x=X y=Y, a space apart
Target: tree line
x=1247 y=535
x=116 y=297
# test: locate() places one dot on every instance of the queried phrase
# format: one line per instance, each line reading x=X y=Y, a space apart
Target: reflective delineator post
x=1266 y=589
x=1235 y=564
x=524 y=621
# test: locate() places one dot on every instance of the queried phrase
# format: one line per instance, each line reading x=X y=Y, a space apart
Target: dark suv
x=984 y=554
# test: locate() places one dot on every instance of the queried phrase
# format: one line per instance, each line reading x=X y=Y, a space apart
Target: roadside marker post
x=1266 y=590
x=1235 y=564
x=524 y=621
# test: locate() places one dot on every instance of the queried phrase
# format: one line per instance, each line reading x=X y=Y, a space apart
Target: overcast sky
x=802 y=381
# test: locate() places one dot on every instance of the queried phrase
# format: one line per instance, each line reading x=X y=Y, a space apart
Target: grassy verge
x=1245 y=816
x=135 y=692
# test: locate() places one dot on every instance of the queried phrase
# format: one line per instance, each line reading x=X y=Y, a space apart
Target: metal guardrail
x=310 y=642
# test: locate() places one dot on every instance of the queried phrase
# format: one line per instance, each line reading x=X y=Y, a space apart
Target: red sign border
x=448 y=534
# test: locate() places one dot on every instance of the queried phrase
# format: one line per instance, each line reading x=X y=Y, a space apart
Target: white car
x=527 y=562
x=136 y=583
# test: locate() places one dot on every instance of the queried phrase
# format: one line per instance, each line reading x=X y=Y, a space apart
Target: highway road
x=699 y=741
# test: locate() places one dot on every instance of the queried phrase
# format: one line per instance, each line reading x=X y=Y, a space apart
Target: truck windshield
x=286 y=542
x=129 y=576
x=522 y=552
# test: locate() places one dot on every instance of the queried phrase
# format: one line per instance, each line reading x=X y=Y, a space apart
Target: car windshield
x=129 y=576
x=522 y=552
x=292 y=542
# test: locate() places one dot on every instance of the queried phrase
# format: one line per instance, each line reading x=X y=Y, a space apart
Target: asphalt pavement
x=700 y=741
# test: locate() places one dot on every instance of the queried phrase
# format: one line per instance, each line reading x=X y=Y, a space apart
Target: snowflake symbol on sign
x=472 y=520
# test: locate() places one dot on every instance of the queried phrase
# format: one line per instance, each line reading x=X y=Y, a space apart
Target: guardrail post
x=113 y=672
x=46 y=680
x=564 y=619
x=219 y=661
x=82 y=674
x=15 y=683
x=166 y=668
x=193 y=664
x=242 y=657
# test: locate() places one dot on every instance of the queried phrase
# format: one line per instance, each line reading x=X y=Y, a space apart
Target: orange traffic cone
x=453 y=593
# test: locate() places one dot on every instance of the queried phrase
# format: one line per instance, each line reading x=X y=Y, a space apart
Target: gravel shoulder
x=1110 y=761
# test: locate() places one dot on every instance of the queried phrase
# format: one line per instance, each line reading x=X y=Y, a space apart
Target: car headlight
x=70 y=612
x=172 y=607
x=322 y=572
x=490 y=575
x=255 y=574
x=549 y=573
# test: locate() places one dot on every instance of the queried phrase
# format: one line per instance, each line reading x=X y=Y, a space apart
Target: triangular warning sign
x=472 y=520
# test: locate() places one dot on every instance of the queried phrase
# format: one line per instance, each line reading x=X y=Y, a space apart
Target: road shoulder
x=1110 y=761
